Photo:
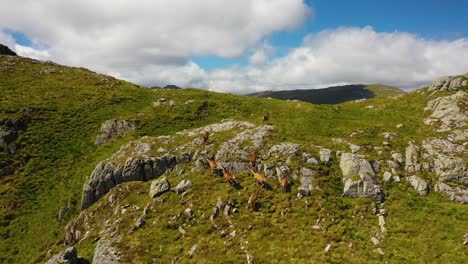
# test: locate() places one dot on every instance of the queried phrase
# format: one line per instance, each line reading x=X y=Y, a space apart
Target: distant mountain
x=332 y=95
x=169 y=86
x=4 y=50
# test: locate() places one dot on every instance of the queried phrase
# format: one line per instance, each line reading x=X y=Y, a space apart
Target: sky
x=246 y=46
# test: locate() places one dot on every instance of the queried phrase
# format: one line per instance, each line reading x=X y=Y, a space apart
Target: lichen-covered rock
x=67 y=256
x=418 y=184
x=105 y=253
x=451 y=169
x=284 y=150
x=448 y=111
x=159 y=187
x=455 y=193
x=183 y=186
x=366 y=184
x=325 y=156
x=114 y=128
x=412 y=158
x=109 y=173
x=449 y=83
x=305 y=187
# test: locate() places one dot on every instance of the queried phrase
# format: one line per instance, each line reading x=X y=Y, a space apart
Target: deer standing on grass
x=284 y=183
x=229 y=177
x=260 y=178
x=266 y=117
x=213 y=165
x=253 y=199
x=205 y=137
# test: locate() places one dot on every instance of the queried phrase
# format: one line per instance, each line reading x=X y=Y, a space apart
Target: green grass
x=66 y=109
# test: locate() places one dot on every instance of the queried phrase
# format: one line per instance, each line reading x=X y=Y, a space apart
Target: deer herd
x=221 y=170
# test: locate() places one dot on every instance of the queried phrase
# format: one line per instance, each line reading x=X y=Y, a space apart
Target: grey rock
x=397 y=157
x=114 y=128
x=283 y=171
x=451 y=169
x=269 y=170
x=449 y=83
x=455 y=193
x=387 y=176
x=188 y=212
x=182 y=187
x=62 y=212
x=284 y=150
x=412 y=158
x=447 y=111
x=359 y=178
x=325 y=156
x=192 y=250
x=354 y=148
x=172 y=103
x=67 y=256
x=305 y=187
x=375 y=241
x=393 y=165
x=312 y=161
x=105 y=253
x=305 y=172
x=418 y=184
x=140 y=222
x=159 y=187
x=108 y=174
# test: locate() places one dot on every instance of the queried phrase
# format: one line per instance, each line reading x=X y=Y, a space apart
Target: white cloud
x=262 y=55
x=130 y=37
x=31 y=52
x=350 y=55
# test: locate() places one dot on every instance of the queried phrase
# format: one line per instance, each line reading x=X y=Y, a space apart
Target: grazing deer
x=229 y=177
x=266 y=117
x=253 y=160
x=260 y=178
x=213 y=166
x=284 y=183
x=253 y=199
x=205 y=137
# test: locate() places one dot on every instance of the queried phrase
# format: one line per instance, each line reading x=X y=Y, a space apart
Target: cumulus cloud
x=111 y=36
x=346 y=56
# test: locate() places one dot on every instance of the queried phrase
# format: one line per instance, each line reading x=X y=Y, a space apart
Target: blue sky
x=247 y=45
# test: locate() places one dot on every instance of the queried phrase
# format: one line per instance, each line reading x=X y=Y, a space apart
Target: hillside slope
x=332 y=95
x=62 y=189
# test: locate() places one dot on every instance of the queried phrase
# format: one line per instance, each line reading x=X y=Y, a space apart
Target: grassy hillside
x=333 y=95
x=65 y=108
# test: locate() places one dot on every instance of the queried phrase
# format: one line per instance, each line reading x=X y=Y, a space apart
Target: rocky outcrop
x=449 y=83
x=67 y=256
x=110 y=173
x=359 y=178
x=412 y=158
x=418 y=184
x=105 y=253
x=114 y=128
x=455 y=193
x=305 y=188
x=4 y=50
x=284 y=149
x=448 y=111
x=182 y=187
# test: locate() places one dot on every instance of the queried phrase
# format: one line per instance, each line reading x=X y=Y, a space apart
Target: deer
x=229 y=177
x=205 y=137
x=260 y=178
x=253 y=160
x=266 y=117
x=253 y=199
x=213 y=165
x=284 y=183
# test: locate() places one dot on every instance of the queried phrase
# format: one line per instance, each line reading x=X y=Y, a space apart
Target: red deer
x=253 y=199
x=260 y=178
x=284 y=183
x=253 y=160
x=229 y=177
x=213 y=166
x=205 y=137
x=266 y=117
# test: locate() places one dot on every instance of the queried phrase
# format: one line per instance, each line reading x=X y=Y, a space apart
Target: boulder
x=104 y=253
x=359 y=178
x=455 y=193
x=418 y=184
x=325 y=156
x=159 y=187
x=183 y=186
x=412 y=158
x=387 y=176
x=305 y=187
x=114 y=128
x=67 y=256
